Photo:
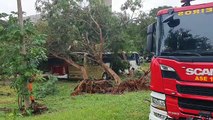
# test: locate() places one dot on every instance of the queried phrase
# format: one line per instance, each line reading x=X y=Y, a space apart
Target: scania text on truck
x=182 y=67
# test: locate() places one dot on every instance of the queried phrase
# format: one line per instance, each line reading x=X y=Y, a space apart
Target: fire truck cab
x=182 y=66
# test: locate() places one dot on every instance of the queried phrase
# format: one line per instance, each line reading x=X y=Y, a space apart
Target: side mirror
x=171 y=21
x=150 y=37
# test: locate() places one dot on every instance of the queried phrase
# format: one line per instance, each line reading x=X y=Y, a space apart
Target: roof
x=192 y=7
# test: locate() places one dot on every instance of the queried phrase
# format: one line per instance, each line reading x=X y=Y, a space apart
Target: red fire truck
x=182 y=67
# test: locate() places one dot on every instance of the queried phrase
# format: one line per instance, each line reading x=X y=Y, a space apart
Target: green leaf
x=1 y=28
x=3 y=15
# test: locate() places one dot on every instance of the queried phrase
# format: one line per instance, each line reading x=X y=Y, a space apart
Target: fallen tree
x=106 y=86
x=72 y=27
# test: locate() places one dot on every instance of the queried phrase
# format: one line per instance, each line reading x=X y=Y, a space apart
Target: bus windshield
x=185 y=34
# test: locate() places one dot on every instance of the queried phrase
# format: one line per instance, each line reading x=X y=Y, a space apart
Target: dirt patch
x=4 y=94
x=7 y=102
x=105 y=86
x=6 y=109
x=5 y=82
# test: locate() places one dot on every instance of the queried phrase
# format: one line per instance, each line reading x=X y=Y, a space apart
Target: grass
x=7 y=101
x=129 y=106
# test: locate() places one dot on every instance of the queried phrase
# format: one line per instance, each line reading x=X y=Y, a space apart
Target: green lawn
x=129 y=106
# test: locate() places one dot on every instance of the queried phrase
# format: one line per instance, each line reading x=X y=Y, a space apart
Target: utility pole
x=20 y=14
x=21 y=23
x=23 y=50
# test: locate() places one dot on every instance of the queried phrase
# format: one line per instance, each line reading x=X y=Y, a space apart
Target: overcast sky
x=28 y=5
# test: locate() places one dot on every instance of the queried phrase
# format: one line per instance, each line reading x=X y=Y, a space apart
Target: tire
x=105 y=76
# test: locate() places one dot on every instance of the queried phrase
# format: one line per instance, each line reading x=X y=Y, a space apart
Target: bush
x=48 y=87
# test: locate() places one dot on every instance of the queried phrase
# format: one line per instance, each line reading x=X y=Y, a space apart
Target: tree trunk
x=83 y=70
x=99 y=56
x=20 y=15
x=71 y=62
x=111 y=72
x=21 y=23
x=131 y=72
x=84 y=73
x=23 y=50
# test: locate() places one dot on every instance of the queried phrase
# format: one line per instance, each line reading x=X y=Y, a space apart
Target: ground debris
x=106 y=86
x=93 y=86
x=36 y=108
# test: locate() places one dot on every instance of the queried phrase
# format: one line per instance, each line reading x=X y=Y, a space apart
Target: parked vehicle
x=132 y=58
x=181 y=70
x=61 y=69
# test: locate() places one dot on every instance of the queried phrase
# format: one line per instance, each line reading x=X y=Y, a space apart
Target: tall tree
x=21 y=50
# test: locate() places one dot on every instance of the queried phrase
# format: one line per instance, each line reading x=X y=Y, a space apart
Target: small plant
x=138 y=74
x=119 y=65
x=47 y=87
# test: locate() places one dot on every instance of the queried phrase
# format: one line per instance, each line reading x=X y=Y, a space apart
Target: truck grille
x=193 y=104
x=195 y=90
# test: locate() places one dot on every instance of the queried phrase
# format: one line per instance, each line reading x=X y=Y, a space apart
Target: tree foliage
x=153 y=12
x=74 y=27
x=135 y=22
x=18 y=66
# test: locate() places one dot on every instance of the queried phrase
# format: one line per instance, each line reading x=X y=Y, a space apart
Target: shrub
x=44 y=88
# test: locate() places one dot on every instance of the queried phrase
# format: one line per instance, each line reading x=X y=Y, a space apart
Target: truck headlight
x=166 y=68
x=158 y=103
x=162 y=117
